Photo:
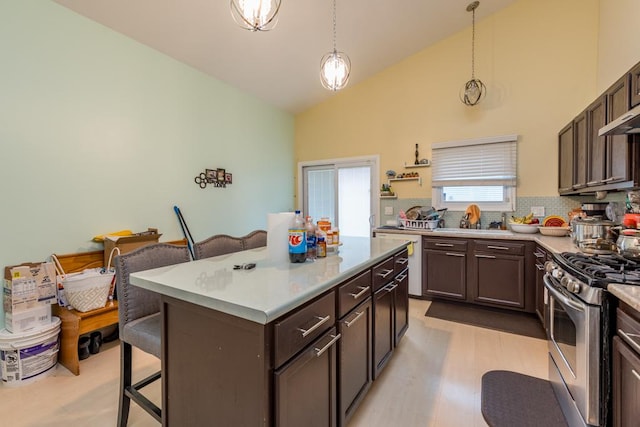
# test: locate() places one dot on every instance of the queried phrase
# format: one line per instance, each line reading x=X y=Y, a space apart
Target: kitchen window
x=341 y=190
x=480 y=171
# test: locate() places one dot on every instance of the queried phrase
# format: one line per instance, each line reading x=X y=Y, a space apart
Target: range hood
x=628 y=123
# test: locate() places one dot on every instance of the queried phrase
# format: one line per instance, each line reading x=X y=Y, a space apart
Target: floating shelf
x=421 y=165
x=388 y=197
x=417 y=178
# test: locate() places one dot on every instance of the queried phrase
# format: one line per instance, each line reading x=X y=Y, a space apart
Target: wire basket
x=419 y=224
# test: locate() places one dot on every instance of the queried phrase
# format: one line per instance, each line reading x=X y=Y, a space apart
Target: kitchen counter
x=630 y=294
x=554 y=244
x=273 y=288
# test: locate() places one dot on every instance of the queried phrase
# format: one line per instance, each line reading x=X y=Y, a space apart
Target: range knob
x=571 y=285
x=557 y=273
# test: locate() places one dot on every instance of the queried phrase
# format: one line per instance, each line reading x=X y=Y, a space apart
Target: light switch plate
x=388 y=210
x=537 y=210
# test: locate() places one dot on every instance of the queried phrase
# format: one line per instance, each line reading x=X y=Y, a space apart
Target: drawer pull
x=363 y=290
x=629 y=339
x=540 y=267
x=485 y=256
x=538 y=254
x=319 y=351
x=391 y=287
x=635 y=374
x=385 y=274
x=445 y=245
x=402 y=261
x=454 y=254
x=500 y=248
x=355 y=319
x=401 y=277
x=314 y=327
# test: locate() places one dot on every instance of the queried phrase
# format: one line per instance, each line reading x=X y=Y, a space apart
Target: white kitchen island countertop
x=274 y=287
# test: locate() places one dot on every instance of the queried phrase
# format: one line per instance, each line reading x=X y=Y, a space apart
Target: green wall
x=99 y=133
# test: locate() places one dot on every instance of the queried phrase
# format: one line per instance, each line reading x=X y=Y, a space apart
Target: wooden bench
x=75 y=323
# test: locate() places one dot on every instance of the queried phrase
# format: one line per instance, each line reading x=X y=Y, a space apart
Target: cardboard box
x=29 y=285
x=129 y=243
x=25 y=320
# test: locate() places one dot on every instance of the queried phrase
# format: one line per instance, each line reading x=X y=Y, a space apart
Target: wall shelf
x=388 y=197
x=417 y=178
x=421 y=165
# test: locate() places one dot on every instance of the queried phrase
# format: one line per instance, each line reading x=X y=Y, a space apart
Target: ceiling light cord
x=473 y=44
x=335 y=67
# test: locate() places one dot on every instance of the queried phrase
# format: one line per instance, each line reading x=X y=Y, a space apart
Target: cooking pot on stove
x=629 y=244
x=594 y=235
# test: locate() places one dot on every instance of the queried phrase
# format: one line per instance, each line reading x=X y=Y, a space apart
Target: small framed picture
x=220 y=175
x=228 y=178
x=211 y=175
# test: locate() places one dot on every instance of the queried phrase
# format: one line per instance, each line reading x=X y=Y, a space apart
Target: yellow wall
x=538 y=59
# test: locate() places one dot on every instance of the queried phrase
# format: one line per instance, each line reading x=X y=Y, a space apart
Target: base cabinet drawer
x=305 y=388
x=354 y=359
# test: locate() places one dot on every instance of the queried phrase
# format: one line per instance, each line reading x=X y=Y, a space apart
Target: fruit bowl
x=524 y=228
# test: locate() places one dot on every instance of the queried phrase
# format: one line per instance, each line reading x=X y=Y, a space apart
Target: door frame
x=374 y=160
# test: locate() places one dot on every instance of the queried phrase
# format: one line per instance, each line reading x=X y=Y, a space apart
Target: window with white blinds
x=481 y=171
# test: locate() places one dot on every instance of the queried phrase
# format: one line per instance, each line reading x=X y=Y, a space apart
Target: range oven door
x=574 y=346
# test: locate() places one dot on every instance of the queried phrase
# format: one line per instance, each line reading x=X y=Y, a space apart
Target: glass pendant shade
x=255 y=15
x=334 y=70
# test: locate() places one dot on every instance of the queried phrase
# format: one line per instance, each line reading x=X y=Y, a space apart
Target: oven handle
x=559 y=296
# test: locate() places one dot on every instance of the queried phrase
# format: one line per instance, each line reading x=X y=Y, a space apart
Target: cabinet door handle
x=391 y=287
x=613 y=178
x=628 y=338
x=445 y=245
x=592 y=183
x=385 y=274
x=635 y=374
x=485 y=256
x=355 y=319
x=401 y=277
x=500 y=248
x=402 y=261
x=319 y=351
x=322 y=320
x=363 y=290
x=454 y=254
x=540 y=267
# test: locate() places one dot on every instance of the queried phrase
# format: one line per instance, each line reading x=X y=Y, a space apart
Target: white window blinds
x=488 y=161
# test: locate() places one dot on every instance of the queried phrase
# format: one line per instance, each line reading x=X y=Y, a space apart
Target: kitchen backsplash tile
x=553 y=206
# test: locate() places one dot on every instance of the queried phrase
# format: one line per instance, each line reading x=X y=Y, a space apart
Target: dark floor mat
x=512 y=399
x=526 y=324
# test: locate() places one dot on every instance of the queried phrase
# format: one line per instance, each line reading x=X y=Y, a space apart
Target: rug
x=511 y=399
x=514 y=322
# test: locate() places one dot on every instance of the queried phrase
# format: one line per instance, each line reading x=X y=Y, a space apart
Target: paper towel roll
x=278 y=234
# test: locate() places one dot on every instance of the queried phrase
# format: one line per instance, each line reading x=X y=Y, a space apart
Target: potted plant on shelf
x=385 y=190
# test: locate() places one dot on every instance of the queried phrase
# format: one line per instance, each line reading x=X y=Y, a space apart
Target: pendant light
x=255 y=15
x=473 y=90
x=334 y=66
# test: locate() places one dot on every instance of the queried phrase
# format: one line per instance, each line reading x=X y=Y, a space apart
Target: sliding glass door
x=343 y=191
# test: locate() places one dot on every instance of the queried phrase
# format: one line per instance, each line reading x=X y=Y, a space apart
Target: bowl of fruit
x=524 y=224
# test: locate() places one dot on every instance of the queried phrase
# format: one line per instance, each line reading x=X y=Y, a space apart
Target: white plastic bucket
x=29 y=356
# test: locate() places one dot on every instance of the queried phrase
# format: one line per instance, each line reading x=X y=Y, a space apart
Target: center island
x=280 y=344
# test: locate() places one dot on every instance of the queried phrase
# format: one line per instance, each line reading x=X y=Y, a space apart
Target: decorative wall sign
x=216 y=177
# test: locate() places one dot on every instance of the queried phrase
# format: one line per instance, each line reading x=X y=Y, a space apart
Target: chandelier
x=473 y=90
x=334 y=66
x=255 y=15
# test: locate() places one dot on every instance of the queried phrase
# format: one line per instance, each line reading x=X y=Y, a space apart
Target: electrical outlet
x=388 y=210
x=537 y=211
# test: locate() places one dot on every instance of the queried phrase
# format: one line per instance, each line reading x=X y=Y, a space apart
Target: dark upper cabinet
x=580 y=150
x=596 y=145
x=618 y=160
x=635 y=85
x=566 y=159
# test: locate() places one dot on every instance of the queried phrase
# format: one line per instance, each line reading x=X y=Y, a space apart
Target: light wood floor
x=432 y=380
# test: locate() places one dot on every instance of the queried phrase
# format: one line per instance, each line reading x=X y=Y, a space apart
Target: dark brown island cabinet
x=310 y=367
x=588 y=162
x=626 y=367
x=496 y=273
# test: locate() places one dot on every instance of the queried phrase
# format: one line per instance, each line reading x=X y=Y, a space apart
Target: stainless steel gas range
x=579 y=330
